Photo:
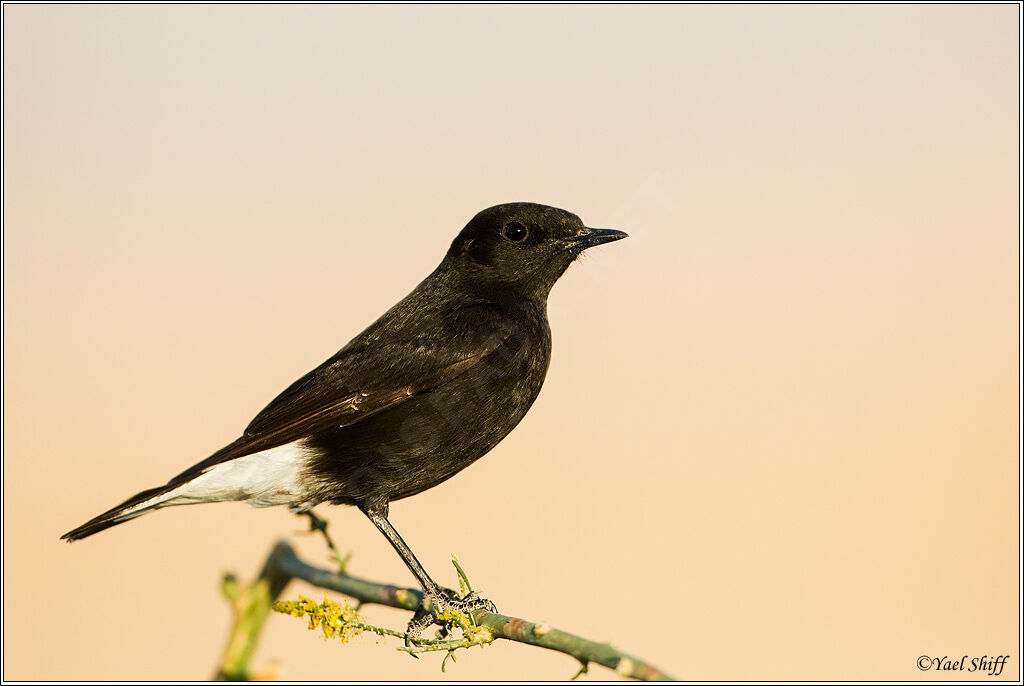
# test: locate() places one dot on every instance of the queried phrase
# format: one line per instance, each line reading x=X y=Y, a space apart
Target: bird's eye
x=514 y=231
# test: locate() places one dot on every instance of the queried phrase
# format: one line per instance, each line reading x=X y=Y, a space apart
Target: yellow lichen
x=335 y=620
x=459 y=619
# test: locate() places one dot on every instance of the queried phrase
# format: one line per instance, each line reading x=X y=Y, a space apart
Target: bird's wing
x=381 y=368
x=342 y=394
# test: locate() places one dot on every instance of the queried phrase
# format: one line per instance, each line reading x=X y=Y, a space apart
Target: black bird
x=426 y=390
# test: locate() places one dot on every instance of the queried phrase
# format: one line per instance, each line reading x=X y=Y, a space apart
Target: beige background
x=778 y=438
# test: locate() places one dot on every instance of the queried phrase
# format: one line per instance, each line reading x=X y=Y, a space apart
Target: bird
x=423 y=392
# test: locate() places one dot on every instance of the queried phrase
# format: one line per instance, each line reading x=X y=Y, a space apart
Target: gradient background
x=778 y=438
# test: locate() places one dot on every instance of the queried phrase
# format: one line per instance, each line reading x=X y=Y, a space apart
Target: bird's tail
x=136 y=506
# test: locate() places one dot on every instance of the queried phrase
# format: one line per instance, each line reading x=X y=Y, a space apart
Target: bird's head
x=522 y=247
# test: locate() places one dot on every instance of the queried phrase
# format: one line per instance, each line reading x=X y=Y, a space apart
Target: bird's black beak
x=597 y=237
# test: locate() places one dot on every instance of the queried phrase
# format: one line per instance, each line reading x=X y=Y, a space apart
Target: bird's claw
x=445 y=600
x=420 y=621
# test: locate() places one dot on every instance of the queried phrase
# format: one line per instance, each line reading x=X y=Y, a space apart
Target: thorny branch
x=252 y=604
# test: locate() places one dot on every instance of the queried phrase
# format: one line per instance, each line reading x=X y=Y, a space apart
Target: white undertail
x=263 y=479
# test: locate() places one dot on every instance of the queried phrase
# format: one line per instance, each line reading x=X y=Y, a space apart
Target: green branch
x=254 y=604
x=250 y=606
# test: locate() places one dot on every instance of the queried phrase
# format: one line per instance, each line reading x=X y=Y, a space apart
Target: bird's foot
x=447 y=609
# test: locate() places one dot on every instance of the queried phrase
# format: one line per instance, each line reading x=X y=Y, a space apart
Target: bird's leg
x=380 y=520
x=436 y=600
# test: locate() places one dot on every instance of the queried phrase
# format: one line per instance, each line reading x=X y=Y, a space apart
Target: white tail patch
x=264 y=479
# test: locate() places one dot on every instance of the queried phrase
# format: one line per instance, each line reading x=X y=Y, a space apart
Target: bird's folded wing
x=311 y=405
x=363 y=379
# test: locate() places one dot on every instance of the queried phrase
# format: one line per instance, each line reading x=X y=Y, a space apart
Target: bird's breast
x=434 y=435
